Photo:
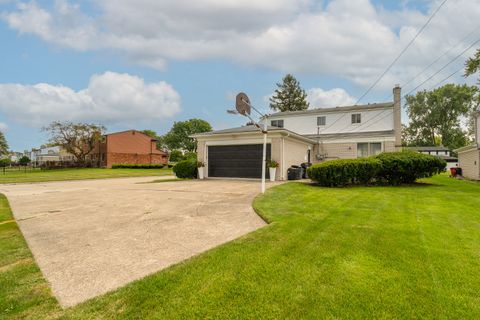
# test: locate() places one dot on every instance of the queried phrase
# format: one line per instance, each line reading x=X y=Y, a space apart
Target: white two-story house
x=312 y=135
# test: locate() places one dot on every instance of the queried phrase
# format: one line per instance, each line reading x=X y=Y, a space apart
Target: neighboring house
x=313 y=135
x=469 y=156
x=49 y=155
x=15 y=156
x=440 y=151
x=127 y=147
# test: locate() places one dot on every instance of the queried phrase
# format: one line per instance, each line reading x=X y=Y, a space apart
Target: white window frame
x=356 y=118
x=277 y=122
x=369 y=148
x=324 y=121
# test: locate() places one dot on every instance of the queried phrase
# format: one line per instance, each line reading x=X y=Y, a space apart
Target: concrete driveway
x=92 y=236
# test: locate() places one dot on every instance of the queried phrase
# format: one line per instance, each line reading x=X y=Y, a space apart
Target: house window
x=277 y=123
x=356 y=118
x=321 y=121
x=368 y=149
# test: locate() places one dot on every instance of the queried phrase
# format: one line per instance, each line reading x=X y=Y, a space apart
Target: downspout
x=283 y=155
x=205 y=156
x=283 y=158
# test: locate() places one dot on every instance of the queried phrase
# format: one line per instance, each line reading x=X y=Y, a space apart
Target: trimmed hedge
x=337 y=173
x=408 y=166
x=137 y=166
x=392 y=168
x=186 y=169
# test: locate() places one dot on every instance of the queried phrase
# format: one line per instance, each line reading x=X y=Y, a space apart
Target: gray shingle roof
x=344 y=108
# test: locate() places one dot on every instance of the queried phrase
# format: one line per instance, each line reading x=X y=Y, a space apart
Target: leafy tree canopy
x=435 y=116
x=78 y=139
x=179 y=135
x=289 y=96
x=160 y=142
x=23 y=161
x=472 y=65
x=3 y=145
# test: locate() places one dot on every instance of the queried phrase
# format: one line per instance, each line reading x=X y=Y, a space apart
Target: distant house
x=127 y=147
x=313 y=135
x=469 y=156
x=439 y=151
x=54 y=155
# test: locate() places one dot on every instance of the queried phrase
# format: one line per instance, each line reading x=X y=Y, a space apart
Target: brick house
x=128 y=147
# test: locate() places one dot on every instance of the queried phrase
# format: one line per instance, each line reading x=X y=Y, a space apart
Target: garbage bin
x=294 y=173
x=453 y=172
x=305 y=166
x=459 y=171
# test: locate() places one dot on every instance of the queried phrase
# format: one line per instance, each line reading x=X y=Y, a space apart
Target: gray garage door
x=239 y=161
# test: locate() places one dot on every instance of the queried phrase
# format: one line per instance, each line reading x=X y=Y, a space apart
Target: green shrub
x=176 y=155
x=186 y=169
x=408 y=166
x=343 y=172
x=5 y=162
x=137 y=166
x=393 y=168
x=190 y=156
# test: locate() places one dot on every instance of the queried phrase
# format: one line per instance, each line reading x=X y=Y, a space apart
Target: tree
x=435 y=116
x=78 y=139
x=179 y=135
x=473 y=65
x=5 y=162
x=176 y=155
x=3 y=145
x=289 y=96
x=24 y=161
x=150 y=133
x=160 y=143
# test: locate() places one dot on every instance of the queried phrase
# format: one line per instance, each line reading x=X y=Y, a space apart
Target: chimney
x=397 y=116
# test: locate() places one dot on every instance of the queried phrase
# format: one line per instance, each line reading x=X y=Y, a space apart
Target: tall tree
x=289 y=96
x=78 y=139
x=3 y=145
x=179 y=135
x=472 y=65
x=160 y=141
x=435 y=116
x=24 y=161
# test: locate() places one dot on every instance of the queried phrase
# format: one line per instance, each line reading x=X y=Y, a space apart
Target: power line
x=442 y=68
x=435 y=61
x=402 y=52
x=451 y=75
x=361 y=125
x=369 y=120
x=441 y=56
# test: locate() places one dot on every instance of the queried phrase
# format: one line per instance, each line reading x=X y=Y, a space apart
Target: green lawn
x=37 y=175
x=361 y=252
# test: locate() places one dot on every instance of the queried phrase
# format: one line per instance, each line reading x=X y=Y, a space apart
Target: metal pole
x=264 y=160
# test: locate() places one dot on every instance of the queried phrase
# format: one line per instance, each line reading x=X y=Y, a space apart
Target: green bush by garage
x=388 y=168
x=186 y=169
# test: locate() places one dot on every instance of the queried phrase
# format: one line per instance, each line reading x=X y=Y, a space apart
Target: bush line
x=391 y=168
x=137 y=166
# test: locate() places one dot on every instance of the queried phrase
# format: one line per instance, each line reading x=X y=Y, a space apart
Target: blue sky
x=189 y=65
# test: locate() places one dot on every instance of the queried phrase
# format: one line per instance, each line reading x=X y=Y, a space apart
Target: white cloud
x=352 y=39
x=3 y=127
x=109 y=98
x=320 y=98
